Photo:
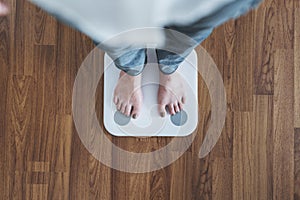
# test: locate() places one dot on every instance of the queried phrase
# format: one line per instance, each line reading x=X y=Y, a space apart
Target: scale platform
x=149 y=123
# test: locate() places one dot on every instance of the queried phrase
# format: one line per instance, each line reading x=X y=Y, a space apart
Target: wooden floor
x=257 y=156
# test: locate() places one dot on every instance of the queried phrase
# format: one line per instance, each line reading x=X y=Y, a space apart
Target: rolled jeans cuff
x=132 y=62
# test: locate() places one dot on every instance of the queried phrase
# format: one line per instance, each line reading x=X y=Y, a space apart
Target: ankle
x=165 y=77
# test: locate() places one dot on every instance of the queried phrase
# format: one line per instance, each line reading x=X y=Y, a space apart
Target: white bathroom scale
x=149 y=122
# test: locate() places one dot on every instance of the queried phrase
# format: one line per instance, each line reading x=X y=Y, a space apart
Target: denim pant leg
x=197 y=32
x=128 y=59
x=132 y=62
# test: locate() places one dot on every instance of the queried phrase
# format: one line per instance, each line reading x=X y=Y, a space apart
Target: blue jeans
x=133 y=61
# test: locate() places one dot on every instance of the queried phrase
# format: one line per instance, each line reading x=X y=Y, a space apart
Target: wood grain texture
x=242 y=91
x=202 y=169
x=250 y=151
x=296 y=4
x=19 y=121
x=284 y=34
x=4 y=63
x=45 y=28
x=243 y=159
x=297 y=69
x=224 y=146
x=265 y=27
x=256 y=157
x=261 y=146
x=229 y=35
x=66 y=61
x=180 y=177
x=297 y=164
x=21 y=48
x=283 y=131
x=221 y=183
x=45 y=116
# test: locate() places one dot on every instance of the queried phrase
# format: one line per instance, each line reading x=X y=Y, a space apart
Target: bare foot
x=171 y=93
x=128 y=95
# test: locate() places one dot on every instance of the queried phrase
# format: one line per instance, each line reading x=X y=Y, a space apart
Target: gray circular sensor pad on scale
x=180 y=118
x=121 y=119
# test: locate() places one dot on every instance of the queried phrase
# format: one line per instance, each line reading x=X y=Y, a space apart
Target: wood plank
x=265 y=28
x=44 y=28
x=66 y=62
x=81 y=171
x=251 y=152
x=224 y=146
x=37 y=191
x=42 y=139
x=283 y=130
x=297 y=164
x=83 y=46
x=21 y=43
x=100 y=180
x=60 y=147
x=216 y=39
x=4 y=63
x=243 y=158
x=284 y=34
x=16 y=185
x=79 y=175
x=131 y=185
x=202 y=178
x=228 y=69
x=20 y=115
x=202 y=168
x=100 y=175
x=27 y=185
x=29 y=46
x=297 y=69
x=223 y=37
x=181 y=176
x=221 y=179
x=17 y=32
x=119 y=185
x=58 y=185
x=159 y=186
x=138 y=186
x=242 y=76
x=261 y=148
x=159 y=180
x=34 y=166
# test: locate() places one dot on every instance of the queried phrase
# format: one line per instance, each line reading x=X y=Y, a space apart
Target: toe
x=183 y=99
x=128 y=110
x=116 y=100
x=136 y=111
x=171 y=109
x=123 y=108
x=180 y=105
x=119 y=106
x=162 y=110
x=176 y=108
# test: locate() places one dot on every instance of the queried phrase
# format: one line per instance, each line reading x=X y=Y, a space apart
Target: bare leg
x=171 y=93
x=128 y=95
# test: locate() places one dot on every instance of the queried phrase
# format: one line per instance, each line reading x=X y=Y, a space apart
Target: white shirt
x=103 y=19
